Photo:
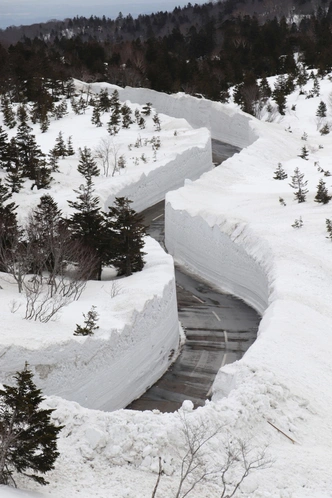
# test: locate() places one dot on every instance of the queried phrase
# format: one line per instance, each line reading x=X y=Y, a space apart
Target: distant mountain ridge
x=160 y=23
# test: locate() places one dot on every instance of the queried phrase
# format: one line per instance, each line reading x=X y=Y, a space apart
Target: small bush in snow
x=298 y=223
x=90 y=323
x=280 y=173
x=329 y=228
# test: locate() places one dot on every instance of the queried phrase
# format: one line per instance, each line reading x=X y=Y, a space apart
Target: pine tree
x=299 y=184
x=113 y=125
x=8 y=113
x=298 y=223
x=14 y=178
x=28 y=438
x=321 y=110
x=104 y=103
x=22 y=114
x=8 y=224
x=115 y=102
x=95 y=119
x=147 y=108
x=53 y=160
x=322 y=195
x=141 y=123
x=126 y=116
x=316 y=87
x=44 y=122
x=329 y=228
x=304 y=153
x=86 y=224
x=43 y=232
x=69 y=88
x=280 y=173
x=279 y=93
x=87 y=165
x=69 y=147
x=60 y=147
x=42 y=175
x=28 y=151
x=156 y=121
x=264 y=89
x=127 y=232
x=3 y=148
x=90 y=323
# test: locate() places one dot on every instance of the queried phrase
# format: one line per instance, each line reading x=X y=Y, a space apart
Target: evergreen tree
x=42 y=175
x=60 y=147
x=321 y=110
x=22 y=114
x=69 y=88
x=44 y=123
x=299 y=185
x=14 y=178
x=127 y=232
x=147 y=108
x=329 y=228
x=87 y=165
x=104 y=101
x=115 y=102
x=8 y=113
x=3 y=148
x=86 y=224
x=28 y=438
x=8 y=224
x=141 y=123
x=43 y=234
x=264 y=89
x=316 y=88
x=280 y=173
x=53 y=160
x=322 y=194
x=70 y=148
x=28 y=151
x=279 y=93
x=156 y=122
x=95 y=119
x=90 y=323
x=113 y=125
x=304 y=153
x=126 y=116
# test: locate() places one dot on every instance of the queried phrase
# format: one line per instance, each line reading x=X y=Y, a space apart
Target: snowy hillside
x=279 y=394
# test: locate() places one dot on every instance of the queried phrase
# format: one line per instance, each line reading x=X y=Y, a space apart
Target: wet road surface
x=219 y=329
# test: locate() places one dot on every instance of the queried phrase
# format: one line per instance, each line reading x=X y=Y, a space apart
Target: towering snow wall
x=149 y=188
x=226 y=125
x=206 y=250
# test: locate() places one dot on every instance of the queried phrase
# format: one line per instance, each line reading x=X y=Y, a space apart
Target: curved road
x=219 y=329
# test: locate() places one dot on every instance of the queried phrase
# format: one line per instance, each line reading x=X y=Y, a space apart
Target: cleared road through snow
x=219 y=328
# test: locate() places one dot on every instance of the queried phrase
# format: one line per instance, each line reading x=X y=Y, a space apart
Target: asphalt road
x=219 y=328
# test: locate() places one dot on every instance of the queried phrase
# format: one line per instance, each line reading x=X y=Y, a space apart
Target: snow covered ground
x=285 y=377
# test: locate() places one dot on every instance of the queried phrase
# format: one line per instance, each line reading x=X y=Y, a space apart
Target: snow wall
x=225 y=124
x=116 y=365
x=228 y=266
x=151 y=188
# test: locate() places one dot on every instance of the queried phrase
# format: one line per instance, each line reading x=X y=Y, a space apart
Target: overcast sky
x=17 y=12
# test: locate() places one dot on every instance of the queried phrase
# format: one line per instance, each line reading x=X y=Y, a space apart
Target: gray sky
x=16 y=12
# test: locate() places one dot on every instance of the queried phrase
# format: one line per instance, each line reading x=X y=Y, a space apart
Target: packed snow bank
x=150 y=187
x=225 y=124
x=137 y=337
x=244 y=241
